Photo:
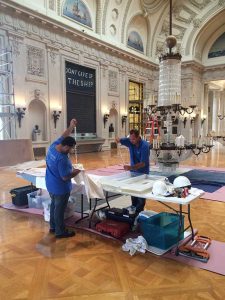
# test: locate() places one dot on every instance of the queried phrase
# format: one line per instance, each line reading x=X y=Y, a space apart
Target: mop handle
x=120 y=153
x=75 y=148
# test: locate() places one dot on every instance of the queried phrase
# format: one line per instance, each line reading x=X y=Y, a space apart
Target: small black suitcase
x=19 y=195
x=120 y=214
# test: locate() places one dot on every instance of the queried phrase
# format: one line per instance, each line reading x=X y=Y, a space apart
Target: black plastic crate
x=19 y=195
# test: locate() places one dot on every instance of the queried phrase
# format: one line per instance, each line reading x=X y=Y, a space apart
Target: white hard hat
x=181 y=181
x=159 y=188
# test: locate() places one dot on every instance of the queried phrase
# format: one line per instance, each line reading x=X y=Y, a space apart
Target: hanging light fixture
x=170 y=108
x=170 y=72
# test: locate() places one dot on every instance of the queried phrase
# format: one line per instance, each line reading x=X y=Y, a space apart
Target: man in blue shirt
x=139 y=161
x=59 y=171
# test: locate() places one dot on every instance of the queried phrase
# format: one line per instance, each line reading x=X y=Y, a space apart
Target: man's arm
x=144 y=160
x=117 y=140
x=74 y=173
x=69 y=130
x=134 y=167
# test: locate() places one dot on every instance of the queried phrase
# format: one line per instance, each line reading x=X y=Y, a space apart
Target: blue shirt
x=138 y=154
x=58 y=165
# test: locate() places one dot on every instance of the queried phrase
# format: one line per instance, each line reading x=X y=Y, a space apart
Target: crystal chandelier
x=168 y=147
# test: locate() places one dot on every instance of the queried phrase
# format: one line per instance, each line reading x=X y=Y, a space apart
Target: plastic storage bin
x=19 y=195
x=36 y=199
x=161 y=230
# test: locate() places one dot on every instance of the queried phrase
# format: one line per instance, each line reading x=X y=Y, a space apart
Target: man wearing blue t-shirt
x=139 y=161
x=59 y=171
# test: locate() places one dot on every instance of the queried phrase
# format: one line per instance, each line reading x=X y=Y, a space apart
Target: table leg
x=179 y=227
x=189 y=219
x=83 y=214
x=94 y=208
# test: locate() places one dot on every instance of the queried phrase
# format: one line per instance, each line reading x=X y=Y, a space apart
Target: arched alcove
x=113 y=119
x=38 y=116
x=137 y=34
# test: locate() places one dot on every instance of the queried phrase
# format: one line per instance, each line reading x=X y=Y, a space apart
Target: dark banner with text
x=81 y=97
x=80 y=79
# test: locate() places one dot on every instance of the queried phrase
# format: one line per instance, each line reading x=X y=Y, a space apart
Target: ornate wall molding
x=113 y=81
x=51 y=4
x=15 y=42
x=124 y=20
x=104 y=16
x=179 y=9
x=99 y=15
x=200 y=5
x=151 y=6
x=53 y=53
x=214 y=73
x=165 y=30
x=197 y=22
x=221 y=3
x=57 y=40
x=35 y=61
x=66 y=39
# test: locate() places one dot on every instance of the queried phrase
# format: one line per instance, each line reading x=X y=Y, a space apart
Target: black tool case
x=19 y=195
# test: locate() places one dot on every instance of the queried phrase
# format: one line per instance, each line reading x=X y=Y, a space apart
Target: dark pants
x=57 y=209
x=139 y=203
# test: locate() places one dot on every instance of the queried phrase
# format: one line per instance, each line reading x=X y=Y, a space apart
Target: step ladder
x=152 y=129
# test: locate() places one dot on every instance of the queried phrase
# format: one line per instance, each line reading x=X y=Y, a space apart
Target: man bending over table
x=139 y=161
x=59 y=171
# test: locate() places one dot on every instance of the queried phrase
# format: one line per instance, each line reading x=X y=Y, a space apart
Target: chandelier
x=169 y=148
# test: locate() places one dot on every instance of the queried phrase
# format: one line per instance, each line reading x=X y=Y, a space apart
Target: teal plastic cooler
x=161 y=230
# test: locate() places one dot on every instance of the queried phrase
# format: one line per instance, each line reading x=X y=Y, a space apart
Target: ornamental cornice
x=193 y=65
x=58 y=37
x=213 y=73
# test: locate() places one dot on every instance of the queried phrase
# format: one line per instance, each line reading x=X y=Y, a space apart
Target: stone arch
x=200 y=35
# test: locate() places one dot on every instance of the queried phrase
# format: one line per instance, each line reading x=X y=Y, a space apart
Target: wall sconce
x=124 y=120
x=105 y=119
x=56 y=114
x=20 y=112
x=203 y=120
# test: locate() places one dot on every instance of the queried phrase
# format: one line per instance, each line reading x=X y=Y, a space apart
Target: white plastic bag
x=70 y=207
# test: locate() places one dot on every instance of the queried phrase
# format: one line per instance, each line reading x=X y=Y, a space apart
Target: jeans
x=57 y=209
x=139 y=203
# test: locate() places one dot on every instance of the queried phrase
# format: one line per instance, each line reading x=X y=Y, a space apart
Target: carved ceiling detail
x=200 y=4
x=178 y=31
x=184 y=14
x=152 y=6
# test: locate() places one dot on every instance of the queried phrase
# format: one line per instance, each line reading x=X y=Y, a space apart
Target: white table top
x=117 y=183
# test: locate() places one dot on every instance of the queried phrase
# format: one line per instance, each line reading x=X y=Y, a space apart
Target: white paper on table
x=93 y=187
